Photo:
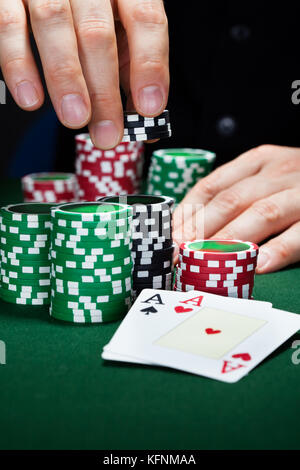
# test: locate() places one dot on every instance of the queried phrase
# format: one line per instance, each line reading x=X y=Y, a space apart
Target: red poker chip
x=218 y=276
x=216 y=263
x=221 y=289
x=214 y=284
x=233 y=270
x=107 y=172
x=207 y=250
x=186 y=277
x=247 y=294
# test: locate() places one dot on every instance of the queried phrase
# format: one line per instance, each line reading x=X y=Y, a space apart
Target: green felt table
x=57 y=393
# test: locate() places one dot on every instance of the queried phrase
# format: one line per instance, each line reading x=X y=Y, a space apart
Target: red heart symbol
x=211 y=331
x=243 y=356
x=181 y=309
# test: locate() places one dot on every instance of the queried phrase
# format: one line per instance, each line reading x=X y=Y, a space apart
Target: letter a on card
x=196 y=301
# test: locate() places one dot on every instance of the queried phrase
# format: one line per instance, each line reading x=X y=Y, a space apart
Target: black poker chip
x=131 y=117
x=149 y=136
x=148 y=124
x=146 y=130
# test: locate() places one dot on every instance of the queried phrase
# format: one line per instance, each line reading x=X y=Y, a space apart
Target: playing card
x=200 y=333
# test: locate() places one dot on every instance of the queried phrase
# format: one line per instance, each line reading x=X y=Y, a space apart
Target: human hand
x=254 y=197
x=87 y=49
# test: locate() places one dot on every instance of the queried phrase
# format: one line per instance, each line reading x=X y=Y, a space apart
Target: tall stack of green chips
x=25 y=259
x=91 y=262
x=173 y=172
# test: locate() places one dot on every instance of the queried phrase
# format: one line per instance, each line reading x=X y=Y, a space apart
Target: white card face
x=227 y=331
x=201 y=333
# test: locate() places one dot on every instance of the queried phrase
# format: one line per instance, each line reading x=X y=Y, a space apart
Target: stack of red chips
x=222 y=267
x=108 y=172
x=49 y=187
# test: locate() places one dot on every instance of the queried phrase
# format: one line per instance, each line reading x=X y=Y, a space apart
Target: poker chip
x=107 y=172
x=152 y=245
x=219 y=250
x=25 y=261
x=49 y=187
x=138 y=128
x=174 y=172
x=91 y=276
x=222 y=267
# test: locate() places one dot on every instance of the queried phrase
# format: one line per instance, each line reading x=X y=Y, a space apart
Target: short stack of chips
x=91 y=262
x=173 y=172
x=152 y=249
x=223 y=267
x=49 y=187
x=25 y=260
x=108 y=172
x=138 y=128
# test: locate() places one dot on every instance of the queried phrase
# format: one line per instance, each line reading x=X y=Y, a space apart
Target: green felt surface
x=57 y=393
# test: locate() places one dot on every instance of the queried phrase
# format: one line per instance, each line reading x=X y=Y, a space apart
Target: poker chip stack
x=25 y=261
x=49 y=187
x=223 y=267
x=108 y=172
x=91 y=262
x=173 y=172
x=152 y=245
x=138 y=128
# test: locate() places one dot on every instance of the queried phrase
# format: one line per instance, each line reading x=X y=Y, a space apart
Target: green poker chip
x=174 y=172
x=86 y=262
x=87 y=318
x=91 y=211
x=27 y=212
x=90 y=228
x=88 y=247
x=101 y=298
x=90 y=278
x=20 y=275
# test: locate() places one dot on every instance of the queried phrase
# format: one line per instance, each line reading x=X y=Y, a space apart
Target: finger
x=246 y=165
x=94 y=25
x=280 y=251
x=16 y=59
x=147 y=32
x=233 y=201
x=265 y=217
x=53 y=29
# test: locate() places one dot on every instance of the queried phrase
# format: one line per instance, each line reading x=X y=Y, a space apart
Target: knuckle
x=48 y=10
x=227 y=234
x=103 y=99
x=95 y=32
x=289 y=165
x=149 y=13
x=9 y=20
x=146 y=61
x=267 y=209
x=207 y=185
x=228 y=201
x=13 y=63
x=63 y=71
x=282 y=248
x=264 y=148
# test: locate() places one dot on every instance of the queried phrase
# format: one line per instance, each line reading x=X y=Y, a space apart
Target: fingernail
x=74 y=110
x=263 y=259
x=106 y=135
x=27 y=95
x=150 y=100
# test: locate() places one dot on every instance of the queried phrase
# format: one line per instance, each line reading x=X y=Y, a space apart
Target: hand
x=87 y=48
x=254 y=197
